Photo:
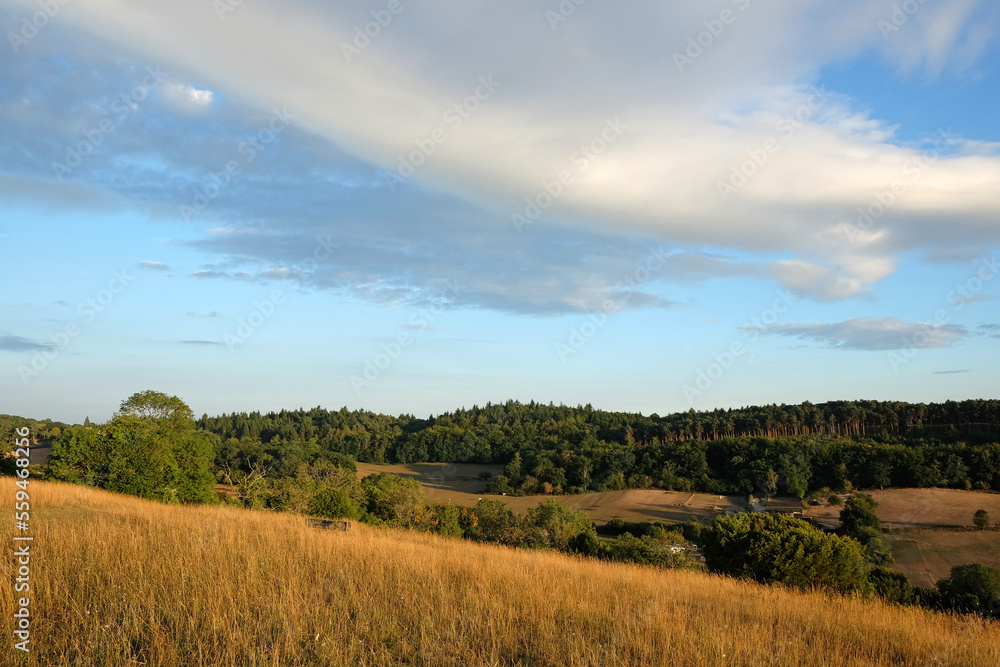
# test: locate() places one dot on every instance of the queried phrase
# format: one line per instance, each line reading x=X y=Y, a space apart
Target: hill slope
x=118 y=579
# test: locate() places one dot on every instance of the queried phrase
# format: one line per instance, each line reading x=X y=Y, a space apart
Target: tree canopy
x=151 y=448
x=771 y=548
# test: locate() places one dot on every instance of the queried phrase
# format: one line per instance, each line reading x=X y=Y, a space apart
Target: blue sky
x=648 y=208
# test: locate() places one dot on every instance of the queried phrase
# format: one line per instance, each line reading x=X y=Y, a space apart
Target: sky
x=415 y=207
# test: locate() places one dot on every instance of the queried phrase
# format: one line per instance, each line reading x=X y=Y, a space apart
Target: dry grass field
x=119 y=581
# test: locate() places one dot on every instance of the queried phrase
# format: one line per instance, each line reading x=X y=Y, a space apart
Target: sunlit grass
x=120 y=581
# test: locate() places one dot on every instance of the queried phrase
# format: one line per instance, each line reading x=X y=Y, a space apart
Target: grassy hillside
x=121 y=581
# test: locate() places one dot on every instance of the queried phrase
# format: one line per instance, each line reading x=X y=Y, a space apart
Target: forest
x=786 y=450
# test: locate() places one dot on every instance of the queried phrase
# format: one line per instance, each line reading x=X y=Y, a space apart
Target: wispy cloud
x=991 y=330
x=21 y=344
x=865 y=333
x=153 y=266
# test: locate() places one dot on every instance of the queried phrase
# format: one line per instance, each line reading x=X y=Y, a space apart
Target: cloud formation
x=735 y=161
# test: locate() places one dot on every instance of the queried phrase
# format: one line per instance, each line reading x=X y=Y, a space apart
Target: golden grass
x=119 y=581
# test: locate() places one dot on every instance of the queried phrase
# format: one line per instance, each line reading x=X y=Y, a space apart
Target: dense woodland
x=558 y=449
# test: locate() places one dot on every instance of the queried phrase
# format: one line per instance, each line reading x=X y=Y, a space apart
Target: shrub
x=779 y=549
x=333 y=503
x=446 y=520
x=972 y=589
x=892 y=586
x=588 y=544
x=552 y=524
x=859 y=512
x=151 y=448
x=397 y=501
x=627 y=548
x=498 y=523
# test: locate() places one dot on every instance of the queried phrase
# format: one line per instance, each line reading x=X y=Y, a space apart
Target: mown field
x=459 y=483
x=923 y=508
x=925 y=556
x=121 y=581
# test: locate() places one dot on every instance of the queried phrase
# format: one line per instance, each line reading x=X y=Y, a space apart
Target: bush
x=779 y=549
x=151 y=448
x=397 y=501
x=981 y=519
x=892 y=586
x=552 y=524
x=588 y=544
x=615 y=525
x=877 y=549
x=224 y=498
x=972 y=589
x=694 y=531
x=835 y=500
x=498 y=523
x=627 y=548
x=446 y=520
x=334 y=504
x=500 y=486
x=340 y=460
x=668 y=548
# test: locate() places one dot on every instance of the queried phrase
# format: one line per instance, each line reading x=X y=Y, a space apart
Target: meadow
x=122 y=581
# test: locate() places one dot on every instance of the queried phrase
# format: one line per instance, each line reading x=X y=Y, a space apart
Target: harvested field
x=922 y=508
x=925 y=556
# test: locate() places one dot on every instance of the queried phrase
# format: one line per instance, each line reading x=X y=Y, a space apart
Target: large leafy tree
x=859 y=520
x=151 y=448
x=858 y=513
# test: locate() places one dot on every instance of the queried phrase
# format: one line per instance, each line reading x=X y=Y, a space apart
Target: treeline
x=42 y=430
x=789 y=450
